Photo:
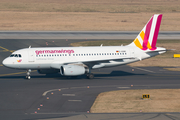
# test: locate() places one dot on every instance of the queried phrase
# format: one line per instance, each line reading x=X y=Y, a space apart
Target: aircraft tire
x=90 y=76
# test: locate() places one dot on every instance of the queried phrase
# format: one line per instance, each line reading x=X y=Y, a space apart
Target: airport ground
x=93 y=15
x=56 y=97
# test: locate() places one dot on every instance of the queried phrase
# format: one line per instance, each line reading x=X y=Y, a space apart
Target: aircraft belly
x=34 y=66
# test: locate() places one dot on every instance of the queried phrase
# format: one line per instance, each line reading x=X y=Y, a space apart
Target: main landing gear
x=28 y=74
x=90 y=76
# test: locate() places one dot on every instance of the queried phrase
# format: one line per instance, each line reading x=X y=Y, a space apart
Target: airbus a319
x=75 y=61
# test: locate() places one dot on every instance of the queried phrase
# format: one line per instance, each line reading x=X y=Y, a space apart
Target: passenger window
x=112 y=53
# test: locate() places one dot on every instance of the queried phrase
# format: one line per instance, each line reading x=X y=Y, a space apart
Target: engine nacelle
x=48 y=71
x=72 y=70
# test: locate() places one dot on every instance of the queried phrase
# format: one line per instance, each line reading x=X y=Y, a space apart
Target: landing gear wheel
x=28 y=77
x=90 y=76
x=28 y=74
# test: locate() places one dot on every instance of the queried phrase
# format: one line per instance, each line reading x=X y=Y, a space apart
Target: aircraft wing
x=56 y=64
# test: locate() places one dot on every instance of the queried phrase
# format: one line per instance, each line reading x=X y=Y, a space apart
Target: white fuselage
x=95 y=57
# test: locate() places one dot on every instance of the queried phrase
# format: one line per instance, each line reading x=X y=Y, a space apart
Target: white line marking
x=75 y=100
x=68 y=95
x=44 y=94
x=123 y=87
x=143 y=69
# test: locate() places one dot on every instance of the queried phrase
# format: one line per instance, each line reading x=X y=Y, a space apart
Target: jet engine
x=72 y=70
x=47 y=71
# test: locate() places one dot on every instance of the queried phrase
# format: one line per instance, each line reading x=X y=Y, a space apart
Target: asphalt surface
x=105 y=35
x=56 y=97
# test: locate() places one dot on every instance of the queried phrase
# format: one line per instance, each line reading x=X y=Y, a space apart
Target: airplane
x=75 y=61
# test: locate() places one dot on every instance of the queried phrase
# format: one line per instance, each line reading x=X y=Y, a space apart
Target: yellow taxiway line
x=6 y=50
x=14 y=73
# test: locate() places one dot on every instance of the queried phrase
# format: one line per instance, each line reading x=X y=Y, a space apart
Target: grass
x=161 y=100
x=93 y=15
x=113 y=6
x=159 y=60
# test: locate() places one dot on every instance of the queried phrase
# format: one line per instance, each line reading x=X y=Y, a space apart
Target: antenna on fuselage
x=30 y=46
x=101 y=45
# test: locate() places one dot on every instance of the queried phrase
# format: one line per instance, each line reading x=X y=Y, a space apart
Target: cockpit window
x=15 y=55
x=12 y=55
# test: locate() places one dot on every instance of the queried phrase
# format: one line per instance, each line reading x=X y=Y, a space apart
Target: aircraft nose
x=6 y=62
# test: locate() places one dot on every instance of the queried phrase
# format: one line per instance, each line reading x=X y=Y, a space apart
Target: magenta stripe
x=156 y=32
x=147 y=33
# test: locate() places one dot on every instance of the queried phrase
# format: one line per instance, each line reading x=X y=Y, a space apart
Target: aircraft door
x=31 y=55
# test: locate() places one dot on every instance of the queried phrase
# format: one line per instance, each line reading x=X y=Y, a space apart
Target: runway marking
x=14 y=73
x=144 y=69
x=68 y=95
x=44 y=94
x=6 y=50
x=1 y=65
x=75 y=100
x=123 y=87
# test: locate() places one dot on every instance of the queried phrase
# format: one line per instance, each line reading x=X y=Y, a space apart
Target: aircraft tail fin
x=147 y=38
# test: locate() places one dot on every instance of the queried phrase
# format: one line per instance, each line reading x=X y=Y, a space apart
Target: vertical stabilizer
x=147 y=38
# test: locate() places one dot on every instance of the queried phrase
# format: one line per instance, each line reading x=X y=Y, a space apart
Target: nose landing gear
x=28 y=74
